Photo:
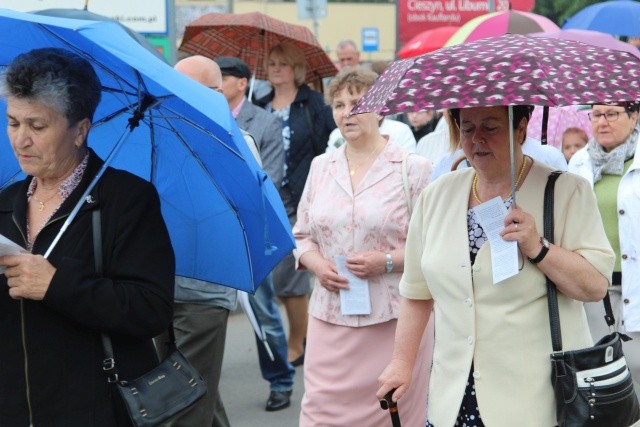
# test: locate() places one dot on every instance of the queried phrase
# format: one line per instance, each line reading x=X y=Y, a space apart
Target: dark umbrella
x=85 y=15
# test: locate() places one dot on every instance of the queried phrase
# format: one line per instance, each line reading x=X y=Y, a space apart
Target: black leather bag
x=165 y=391
x=593 y=386
x=160 y=394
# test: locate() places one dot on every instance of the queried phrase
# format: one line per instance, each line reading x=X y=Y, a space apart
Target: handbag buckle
x=109 y=364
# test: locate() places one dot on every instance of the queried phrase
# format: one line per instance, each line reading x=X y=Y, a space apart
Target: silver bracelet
x=389 y=265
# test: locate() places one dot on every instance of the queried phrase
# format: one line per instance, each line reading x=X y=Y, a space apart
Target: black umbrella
x=85 y=15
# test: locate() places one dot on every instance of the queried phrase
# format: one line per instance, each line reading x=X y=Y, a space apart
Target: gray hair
x=58 y=78
x=346 y=44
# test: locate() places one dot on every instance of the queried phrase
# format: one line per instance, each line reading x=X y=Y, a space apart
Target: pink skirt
x=341 y=370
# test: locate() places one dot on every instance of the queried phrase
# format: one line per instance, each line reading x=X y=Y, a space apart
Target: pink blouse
x=334 y=220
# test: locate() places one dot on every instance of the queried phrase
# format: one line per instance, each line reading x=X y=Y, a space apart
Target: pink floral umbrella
x=506 y=70
x=560 y=119
x=511 y=69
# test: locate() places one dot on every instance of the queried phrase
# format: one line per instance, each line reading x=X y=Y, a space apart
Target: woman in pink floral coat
x=352 y=225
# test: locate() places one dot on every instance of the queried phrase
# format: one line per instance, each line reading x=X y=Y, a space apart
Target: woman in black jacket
x=53 y=310
x=306 y=124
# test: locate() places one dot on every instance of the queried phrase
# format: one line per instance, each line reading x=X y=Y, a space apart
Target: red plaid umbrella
x=249 y=36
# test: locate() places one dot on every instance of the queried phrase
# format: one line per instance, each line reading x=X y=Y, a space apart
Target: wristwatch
x=543 y=251
x=389 y=265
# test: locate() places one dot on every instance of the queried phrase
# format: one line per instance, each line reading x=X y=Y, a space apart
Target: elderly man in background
x=266 y=129
x=348 y=54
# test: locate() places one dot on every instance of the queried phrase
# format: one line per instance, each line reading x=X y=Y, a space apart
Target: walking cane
x=388 y=403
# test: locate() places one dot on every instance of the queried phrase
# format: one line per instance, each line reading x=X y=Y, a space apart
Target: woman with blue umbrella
x=54 y=308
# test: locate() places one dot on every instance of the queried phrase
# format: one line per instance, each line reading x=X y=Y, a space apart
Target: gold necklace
x=354 y=169
x=41 y=203
x=474 y=186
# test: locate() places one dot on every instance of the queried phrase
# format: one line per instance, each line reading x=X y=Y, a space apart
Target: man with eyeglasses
x=610 y=161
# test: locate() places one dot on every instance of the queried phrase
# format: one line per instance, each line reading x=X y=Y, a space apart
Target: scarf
x=612 y=162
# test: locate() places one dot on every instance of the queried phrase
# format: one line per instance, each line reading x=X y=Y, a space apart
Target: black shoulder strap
x=552 y=295
x=109 y=362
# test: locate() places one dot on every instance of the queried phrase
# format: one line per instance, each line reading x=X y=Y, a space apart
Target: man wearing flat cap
x=262 y=125
x=266 y=129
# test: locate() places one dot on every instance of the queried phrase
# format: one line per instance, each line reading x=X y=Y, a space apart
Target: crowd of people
x=390 y=290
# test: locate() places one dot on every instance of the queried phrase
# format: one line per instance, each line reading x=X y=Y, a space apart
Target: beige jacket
x=504 y=328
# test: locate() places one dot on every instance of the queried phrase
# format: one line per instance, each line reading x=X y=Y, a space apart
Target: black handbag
x=593 y=386
x=165 y=391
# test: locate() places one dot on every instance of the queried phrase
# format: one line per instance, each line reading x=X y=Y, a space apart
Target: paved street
x=242 y=388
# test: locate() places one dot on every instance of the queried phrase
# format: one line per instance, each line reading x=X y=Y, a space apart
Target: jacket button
x=621 y=211
x=626 y=300
x=476 y=375
x=468 y=302
x=470 y=340
x=624 y=256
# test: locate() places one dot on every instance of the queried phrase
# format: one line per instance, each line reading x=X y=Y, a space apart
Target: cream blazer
x=503 y=328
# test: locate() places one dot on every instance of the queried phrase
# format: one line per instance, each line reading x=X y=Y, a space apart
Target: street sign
x=312 y=9
x=370 y=39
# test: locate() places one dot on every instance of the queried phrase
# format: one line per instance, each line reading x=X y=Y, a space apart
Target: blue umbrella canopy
x=225 y=217
x=85 y=15
x=617 y=17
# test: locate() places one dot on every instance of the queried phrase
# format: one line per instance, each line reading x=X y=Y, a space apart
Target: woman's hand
x=327 y=274
x=573 y=275
x=28 y=275
x=324 y=270
x=396 y=375
x=521 y=227
x=367 y=264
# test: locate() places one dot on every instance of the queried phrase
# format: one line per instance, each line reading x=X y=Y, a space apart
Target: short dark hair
x=58 y=78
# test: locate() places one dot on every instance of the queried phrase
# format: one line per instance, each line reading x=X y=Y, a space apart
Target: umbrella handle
x=253 y=82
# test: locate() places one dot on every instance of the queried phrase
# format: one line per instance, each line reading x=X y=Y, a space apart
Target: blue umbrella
x=617 y=17
x=85 y=15
x=226 y=221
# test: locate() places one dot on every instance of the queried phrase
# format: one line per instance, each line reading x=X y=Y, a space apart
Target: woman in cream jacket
x=491 y=357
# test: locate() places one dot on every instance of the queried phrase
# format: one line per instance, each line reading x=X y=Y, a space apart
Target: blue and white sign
x=370 y=39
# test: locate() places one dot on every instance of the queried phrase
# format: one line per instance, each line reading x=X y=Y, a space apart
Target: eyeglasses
x=609 y=116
